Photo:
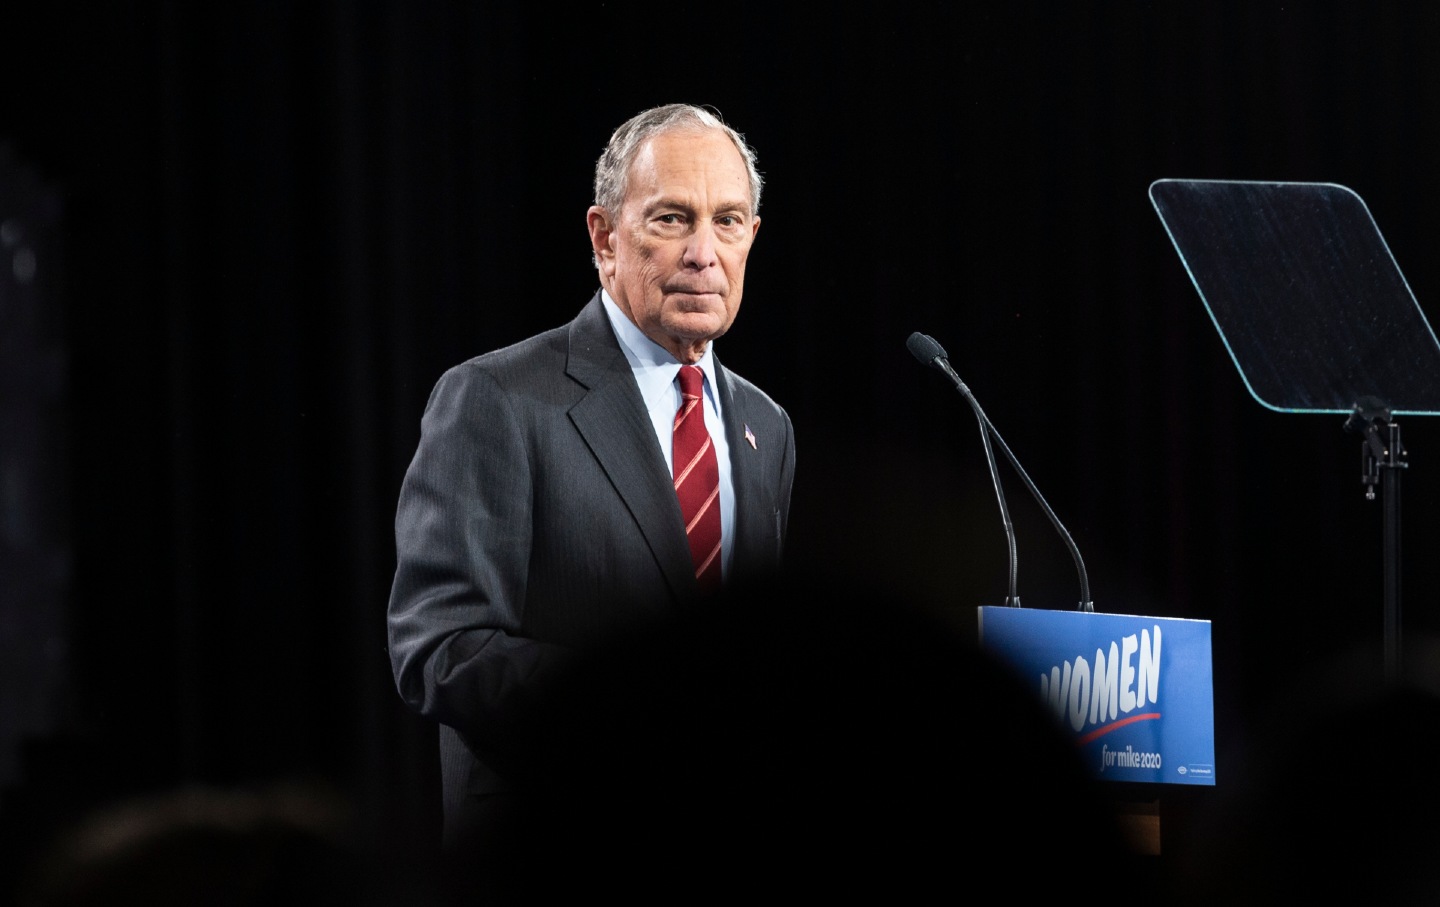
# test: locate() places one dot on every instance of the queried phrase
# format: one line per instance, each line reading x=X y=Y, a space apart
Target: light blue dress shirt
x=655 y=373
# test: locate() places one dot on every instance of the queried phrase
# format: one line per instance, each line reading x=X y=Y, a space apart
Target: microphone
x=924 y=348
x=929 y=352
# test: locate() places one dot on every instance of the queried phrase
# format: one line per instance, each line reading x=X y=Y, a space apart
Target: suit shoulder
x=486 y=382
x=752 y=396
x=540 y=354
x=520 y=355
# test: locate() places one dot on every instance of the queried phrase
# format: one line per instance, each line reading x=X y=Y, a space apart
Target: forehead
x=694 y=165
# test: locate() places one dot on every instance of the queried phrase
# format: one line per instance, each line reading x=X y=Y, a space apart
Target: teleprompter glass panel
x=1305 y=293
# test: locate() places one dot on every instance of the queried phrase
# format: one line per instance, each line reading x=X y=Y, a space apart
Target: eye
x=728 y=220
x=670 y=219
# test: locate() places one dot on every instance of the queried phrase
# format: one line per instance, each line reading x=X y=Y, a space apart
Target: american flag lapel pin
x=750 y=436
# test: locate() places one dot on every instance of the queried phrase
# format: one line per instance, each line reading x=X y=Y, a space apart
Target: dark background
x=265 y=229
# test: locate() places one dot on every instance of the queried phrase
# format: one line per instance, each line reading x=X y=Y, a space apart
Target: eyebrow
x=732 y=207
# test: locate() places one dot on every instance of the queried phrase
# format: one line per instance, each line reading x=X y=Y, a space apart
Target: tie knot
x=691 y=380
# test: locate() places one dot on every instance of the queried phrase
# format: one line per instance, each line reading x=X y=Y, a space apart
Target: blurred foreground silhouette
x=210 y=846
x=794 y=737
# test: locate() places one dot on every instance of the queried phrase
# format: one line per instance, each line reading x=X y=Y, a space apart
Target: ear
x=602 y=238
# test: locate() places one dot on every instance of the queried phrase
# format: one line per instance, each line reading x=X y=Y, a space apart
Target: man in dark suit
x=542 y=513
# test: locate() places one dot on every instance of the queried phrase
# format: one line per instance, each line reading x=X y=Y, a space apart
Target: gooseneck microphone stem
x=929 y=352
x=1012 y=600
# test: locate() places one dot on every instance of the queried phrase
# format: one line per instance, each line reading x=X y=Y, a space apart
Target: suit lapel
x=612 y=420
x=744 y=472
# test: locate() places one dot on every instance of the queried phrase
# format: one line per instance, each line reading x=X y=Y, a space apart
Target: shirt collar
x=654 y=367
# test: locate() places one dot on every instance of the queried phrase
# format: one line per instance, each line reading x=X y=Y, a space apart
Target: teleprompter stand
x=1317 y=317
x=1382 y=457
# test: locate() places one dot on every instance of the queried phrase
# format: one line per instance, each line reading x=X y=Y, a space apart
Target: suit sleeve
x=787 y=478
x=463 y=542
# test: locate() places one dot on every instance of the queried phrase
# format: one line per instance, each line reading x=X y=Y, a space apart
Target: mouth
x=692 y=291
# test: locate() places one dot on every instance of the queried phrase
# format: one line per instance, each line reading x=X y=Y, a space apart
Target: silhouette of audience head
x=230 y=847
x=798 y=735
x=1332 y=796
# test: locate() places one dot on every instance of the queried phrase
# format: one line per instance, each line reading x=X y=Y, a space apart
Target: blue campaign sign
x=1136 y=691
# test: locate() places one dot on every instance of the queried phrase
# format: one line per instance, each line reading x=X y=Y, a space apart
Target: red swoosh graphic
x=1101 y=732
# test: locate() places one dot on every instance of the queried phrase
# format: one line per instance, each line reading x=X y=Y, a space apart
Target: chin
x=696 y=327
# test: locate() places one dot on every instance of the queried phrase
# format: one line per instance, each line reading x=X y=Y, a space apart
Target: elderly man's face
x=673 y=258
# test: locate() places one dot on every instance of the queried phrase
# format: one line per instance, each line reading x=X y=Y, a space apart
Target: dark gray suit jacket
x=537 y=516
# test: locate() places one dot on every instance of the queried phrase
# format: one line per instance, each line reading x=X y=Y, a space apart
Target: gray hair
x=612 y=171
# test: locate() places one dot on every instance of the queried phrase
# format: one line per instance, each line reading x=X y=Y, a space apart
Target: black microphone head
x=925 y=348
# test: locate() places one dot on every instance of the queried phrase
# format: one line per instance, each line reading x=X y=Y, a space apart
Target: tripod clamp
x=1377 y=453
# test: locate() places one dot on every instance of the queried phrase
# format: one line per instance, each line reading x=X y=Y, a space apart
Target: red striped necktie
x=697 y=479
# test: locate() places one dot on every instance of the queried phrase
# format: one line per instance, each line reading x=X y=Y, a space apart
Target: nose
x=700 y=247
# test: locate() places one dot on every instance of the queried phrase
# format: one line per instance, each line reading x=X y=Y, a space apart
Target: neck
x=688 y=352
